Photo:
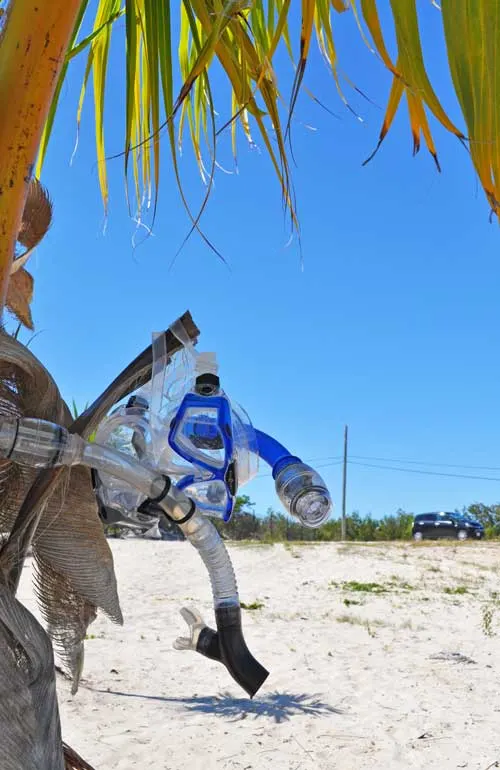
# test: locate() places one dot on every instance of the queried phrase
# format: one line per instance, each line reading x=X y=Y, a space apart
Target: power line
x=425 y=462
x=320 y=459
x=323 y=465
x=424 y=473
x=337 y=460
x=328 y=465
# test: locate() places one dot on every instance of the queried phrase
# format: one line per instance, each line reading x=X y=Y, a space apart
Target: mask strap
x=158 y=375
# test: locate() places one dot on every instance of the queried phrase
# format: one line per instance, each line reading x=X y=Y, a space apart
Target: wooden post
x=344 y=487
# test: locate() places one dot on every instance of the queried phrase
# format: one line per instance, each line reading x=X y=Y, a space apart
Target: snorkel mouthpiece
x=226 y=645
x=302 y=491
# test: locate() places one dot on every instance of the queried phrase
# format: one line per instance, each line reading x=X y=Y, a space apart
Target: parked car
x=442 y=524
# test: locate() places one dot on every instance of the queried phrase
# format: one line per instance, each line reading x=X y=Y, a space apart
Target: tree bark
x=33 y=44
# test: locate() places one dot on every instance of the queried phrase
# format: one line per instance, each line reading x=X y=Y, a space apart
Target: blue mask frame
x=218 y=435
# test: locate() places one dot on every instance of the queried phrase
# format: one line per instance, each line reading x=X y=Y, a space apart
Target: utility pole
x=344 y=487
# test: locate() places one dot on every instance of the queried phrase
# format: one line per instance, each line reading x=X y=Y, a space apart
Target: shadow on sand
x=279 y=707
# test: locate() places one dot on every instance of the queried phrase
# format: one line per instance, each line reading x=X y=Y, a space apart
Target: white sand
x=347 y=695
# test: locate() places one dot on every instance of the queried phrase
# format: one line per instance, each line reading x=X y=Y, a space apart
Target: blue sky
x=391 y=324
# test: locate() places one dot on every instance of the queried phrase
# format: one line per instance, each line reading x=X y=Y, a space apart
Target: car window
x=446 y=517
x=426 y=517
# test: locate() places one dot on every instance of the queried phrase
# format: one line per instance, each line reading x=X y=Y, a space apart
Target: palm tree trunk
x=33 y=43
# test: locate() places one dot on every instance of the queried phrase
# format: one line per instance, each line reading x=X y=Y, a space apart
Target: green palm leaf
x=243 y=37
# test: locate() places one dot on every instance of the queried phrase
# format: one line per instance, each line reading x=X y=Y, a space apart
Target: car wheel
x=418 y=536
x=462 y=534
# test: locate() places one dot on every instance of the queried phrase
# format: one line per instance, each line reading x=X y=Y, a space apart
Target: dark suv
x=451 y=525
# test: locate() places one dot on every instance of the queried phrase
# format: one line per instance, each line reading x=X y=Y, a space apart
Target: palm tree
x=39 y=38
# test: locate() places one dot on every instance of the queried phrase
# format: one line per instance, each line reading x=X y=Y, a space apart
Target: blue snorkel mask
x=193 y=433
x=195 y=448
x=201 y=433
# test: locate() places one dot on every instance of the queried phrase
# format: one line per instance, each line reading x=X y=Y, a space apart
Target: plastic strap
x=186 y=518
x=163 y=493
x=158 y=377
x=143 y=507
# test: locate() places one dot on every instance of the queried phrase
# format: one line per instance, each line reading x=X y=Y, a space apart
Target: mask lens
x=198 y=437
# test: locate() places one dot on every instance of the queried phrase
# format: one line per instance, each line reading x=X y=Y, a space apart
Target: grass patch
x=456 y=590
x=371 y=588
x=488 y=614
x=253 y=606
x=487 y=620
x=349 y=602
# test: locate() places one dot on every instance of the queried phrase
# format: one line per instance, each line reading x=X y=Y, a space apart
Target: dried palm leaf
x=37 y=218
x=74 y=572
x=69 y=584
x=19 y=296
x=36 y=221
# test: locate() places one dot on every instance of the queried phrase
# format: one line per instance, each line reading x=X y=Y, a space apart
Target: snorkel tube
x=300 y=488
x=226 y=645
x=41 y=444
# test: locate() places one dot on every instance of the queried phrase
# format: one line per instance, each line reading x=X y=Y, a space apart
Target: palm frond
x=35 y=223
x=69 y=585
x=472 y=31
x=19 y=296
x=243 y=37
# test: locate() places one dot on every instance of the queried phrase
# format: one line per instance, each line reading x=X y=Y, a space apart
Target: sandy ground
x=354 y=682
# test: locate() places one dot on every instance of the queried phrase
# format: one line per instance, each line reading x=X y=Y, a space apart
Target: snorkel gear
x=180 y=449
